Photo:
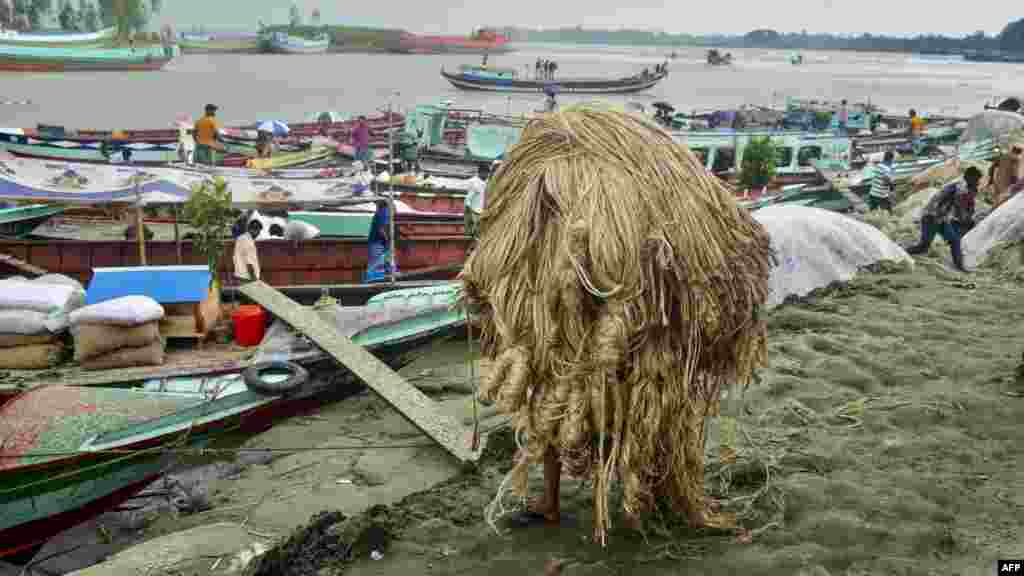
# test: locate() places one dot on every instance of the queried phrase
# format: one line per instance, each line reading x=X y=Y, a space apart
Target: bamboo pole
x=177 y=234
x=140 y=232
x=391 y=197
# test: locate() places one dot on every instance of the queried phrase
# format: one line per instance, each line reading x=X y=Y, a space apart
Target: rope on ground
x=215 y=451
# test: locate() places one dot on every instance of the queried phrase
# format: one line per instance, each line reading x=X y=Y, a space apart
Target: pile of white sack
x=277 y=227
x=33 y=313
x=119 y=333
x=1003 y=228
x=816 y=247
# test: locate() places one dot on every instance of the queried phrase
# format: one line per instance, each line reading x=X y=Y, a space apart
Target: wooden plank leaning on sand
x=21 y=265
x=233 y=361
x=414 y=405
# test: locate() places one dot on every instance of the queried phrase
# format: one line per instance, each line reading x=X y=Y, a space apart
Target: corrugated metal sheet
x=165 y=284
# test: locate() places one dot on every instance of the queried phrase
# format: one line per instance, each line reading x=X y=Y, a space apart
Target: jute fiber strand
x=618 y=287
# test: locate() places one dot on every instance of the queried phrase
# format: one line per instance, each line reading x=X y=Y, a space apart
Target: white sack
x=299 y=230
x=59 y=279
x=49 y=299
x=29 y=322
x=124 y=311
x=1003 y=225
x=816 y=247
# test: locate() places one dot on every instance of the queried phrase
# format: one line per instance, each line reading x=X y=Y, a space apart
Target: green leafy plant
x=758 y=167
x=210 y=214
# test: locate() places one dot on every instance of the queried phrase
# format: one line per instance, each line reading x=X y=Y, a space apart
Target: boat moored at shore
x=68 y=59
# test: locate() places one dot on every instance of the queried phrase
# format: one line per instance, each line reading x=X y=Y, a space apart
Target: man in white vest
x=475 y=197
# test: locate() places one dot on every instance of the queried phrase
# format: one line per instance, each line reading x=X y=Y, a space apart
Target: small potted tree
x=210 y=214
x=758 y=165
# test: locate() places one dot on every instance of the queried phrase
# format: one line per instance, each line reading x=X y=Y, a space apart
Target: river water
x=286 y=87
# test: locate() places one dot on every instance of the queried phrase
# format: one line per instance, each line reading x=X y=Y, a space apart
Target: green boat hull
x=20 y=221
x=116 y=439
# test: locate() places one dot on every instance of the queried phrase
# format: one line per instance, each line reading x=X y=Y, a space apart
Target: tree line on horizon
x=1010 y=39
x=87 y=16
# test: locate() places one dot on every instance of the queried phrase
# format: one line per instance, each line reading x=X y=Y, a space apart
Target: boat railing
x=479 y=116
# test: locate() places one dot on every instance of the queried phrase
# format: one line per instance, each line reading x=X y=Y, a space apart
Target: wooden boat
x=160 y=146
x=282 y=262
x=74 y=452
x=508 y=80
x=19 y=221
x=824 y=196
x=63 y=39
x=801 y=155
x=283 y=43
x=354 y=221
x=56 y=59
x=482 y=42
x=218 y=43
x=377 y=123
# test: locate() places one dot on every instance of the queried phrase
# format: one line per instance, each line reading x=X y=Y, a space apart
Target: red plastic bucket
x=250 y=323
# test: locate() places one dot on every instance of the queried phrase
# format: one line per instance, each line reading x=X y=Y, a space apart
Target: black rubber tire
x=254 y=381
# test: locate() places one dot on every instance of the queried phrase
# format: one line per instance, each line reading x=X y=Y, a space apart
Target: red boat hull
x=378 y=123
x=282 y=263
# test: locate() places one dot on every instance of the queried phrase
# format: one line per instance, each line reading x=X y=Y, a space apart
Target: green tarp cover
x=490 y=142
x=430 y=120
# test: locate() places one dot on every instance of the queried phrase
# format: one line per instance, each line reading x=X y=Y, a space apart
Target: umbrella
x=183 y=121
x=551 y=89
x=275 y=127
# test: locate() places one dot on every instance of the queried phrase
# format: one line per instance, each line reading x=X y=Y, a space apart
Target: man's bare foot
x=554 y=567
x=541 y=508
x=633 y=522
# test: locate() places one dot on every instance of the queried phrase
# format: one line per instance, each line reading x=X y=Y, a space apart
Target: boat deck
x=179 y=360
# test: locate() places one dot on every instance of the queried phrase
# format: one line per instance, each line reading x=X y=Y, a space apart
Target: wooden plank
x=180 y=327
x=76 y=377
x=21 y=265
x=414 y=405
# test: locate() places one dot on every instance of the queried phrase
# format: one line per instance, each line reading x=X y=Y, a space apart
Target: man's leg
x=951 y=234
x=927 y=235
x=549 y=505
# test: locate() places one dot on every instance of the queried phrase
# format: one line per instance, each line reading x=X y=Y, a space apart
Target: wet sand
x=883 y=438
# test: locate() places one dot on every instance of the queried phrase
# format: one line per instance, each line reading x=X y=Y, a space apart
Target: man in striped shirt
x=880 y=195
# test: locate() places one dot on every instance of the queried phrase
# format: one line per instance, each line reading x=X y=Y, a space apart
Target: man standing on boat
x=916 y=130
x=379 y=267
x=361 y=141
x=844 y=119
x=475 y=197
x=246 y=259
x=880 y=195
x=207 y=136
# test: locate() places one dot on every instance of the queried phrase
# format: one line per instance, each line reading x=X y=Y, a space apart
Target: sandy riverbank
x=884 y=438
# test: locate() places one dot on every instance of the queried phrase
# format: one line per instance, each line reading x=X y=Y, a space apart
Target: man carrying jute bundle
x=618 y=287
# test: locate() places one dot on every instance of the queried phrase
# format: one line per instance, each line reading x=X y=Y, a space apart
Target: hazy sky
x=899 y=17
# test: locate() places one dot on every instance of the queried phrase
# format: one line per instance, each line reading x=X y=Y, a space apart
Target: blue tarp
x=165 y=284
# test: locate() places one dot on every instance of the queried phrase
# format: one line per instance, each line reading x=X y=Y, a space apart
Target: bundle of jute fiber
x=119 y=333
x=618 y=287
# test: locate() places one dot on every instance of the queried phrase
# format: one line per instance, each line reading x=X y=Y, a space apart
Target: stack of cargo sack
x=119 y=333
x=33 y=314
